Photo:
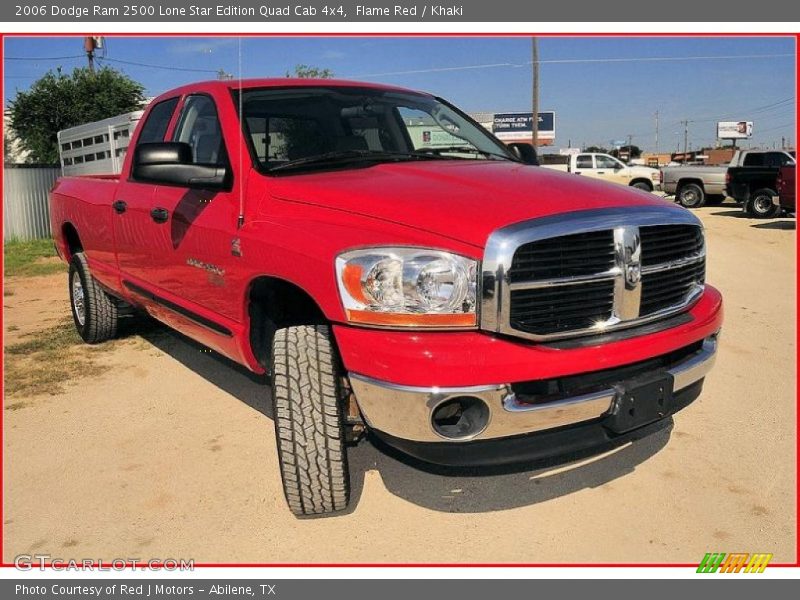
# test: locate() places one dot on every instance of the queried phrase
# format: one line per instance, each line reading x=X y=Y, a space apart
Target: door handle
x=601 y=172
x=120 y=206
x=159 y=215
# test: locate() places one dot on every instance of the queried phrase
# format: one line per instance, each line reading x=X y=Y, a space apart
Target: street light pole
x=535 y=102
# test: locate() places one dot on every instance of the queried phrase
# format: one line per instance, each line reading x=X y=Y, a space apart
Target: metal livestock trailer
x=97 y=147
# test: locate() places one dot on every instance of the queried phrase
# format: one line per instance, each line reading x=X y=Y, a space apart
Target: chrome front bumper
x=405 y=412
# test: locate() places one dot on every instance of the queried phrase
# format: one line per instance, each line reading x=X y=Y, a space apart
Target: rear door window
x=754 y=160
x=155 y=126
x=584 y=161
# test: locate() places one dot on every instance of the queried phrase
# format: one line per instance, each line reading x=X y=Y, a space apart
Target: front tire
x=309 y=420
x=95 y=313
x=642 y=185
x=760 y=204
x=691 y=195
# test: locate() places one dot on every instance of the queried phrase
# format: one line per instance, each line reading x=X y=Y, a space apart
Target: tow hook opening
x=460 y=417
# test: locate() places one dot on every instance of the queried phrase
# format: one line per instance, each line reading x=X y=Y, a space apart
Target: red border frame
x=441 y=34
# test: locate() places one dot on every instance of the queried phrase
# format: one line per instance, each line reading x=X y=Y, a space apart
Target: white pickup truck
x=607 y=168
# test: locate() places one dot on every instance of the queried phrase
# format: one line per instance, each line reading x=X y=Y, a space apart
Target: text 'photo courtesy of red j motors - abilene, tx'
x=399 y=300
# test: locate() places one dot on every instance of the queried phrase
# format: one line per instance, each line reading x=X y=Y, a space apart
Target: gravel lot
x=167 y=450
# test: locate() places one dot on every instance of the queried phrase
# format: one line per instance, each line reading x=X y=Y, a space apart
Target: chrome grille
x=557 y=309
x=592 y=272
x=566 y=256
x=665 y=243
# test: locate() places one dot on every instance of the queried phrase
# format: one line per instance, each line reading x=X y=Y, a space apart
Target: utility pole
x=685 y=138
x=656 y=132
x=535 y=100
x=89 y=46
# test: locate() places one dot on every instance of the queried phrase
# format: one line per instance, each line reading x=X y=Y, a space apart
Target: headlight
x=407 y=287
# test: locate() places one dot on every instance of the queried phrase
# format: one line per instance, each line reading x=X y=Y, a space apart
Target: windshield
x=312 y=128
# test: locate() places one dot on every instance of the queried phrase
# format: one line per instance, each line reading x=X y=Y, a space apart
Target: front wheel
x=309 y=420
x=96 y=314
x=691 y=195
x=642 y=185
x=760 y=204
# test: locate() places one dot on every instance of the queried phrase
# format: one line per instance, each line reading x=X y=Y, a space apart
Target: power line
x=152 y=66
x=774 y=128
x=43 y=58
x=575 y=61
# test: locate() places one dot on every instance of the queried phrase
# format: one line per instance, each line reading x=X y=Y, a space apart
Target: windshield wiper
x=348 y=156
x=437 y=151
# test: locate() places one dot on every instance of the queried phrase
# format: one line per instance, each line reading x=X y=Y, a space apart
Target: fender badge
x=236 y=246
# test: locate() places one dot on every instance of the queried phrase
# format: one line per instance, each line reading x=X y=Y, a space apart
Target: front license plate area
x=641 y=401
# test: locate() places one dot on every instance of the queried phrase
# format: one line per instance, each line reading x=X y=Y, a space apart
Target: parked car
x=694 y=186
x=786 y=189
x=752 y=180
x=430 y=288
x=606 y=167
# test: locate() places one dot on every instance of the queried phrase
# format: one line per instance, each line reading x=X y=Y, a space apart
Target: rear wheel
x=309 y=420
x=691 y=195
x=95 y=313
x=760 y=204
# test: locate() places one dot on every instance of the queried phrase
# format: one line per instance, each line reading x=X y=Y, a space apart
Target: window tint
x=754 y=159
x=778 y=159
x=199 y=127
x=157 y=122
x=584 y=161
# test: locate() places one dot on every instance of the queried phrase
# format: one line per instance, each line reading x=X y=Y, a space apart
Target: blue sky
x=596 y=100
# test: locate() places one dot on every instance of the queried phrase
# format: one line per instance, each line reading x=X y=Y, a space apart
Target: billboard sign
x=515 y=126
x=734 y=130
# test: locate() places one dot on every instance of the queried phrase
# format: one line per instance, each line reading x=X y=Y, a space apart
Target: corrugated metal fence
x=26 y=211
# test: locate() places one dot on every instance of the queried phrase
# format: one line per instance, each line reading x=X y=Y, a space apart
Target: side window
x=778 y=159
x=199 y=127
x=155 y=127
x=584 y=161
x=754 y=159
x=606 y=162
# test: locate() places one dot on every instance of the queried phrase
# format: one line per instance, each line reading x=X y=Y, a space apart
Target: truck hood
x=462 y=200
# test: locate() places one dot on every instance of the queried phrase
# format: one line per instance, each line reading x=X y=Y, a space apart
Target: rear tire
x=309 y=420
x=95 y=312
x=760 y=204
x=691 y=195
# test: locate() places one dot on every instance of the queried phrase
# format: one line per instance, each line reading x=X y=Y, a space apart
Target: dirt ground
x=167 y=450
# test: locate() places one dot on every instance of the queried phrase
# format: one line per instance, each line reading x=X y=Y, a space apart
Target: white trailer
x=97 y=147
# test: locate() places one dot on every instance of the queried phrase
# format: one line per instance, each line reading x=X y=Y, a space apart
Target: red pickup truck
x=397 y=271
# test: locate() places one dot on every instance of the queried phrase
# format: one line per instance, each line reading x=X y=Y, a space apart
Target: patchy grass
x=44 y=361
x=27 y=259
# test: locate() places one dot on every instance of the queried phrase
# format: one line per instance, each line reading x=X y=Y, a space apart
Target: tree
x=596 y=149
x=308 y=72
x=633 y=151
x=57 y=101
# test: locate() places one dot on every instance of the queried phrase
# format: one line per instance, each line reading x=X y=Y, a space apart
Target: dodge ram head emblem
x=633 y=274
